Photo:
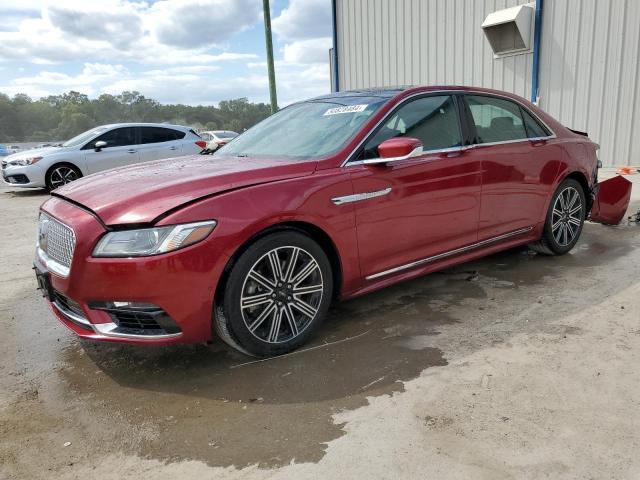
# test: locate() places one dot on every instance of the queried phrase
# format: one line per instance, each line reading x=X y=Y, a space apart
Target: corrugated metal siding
x=417 y=42
x=589 y=72
x=589 y=69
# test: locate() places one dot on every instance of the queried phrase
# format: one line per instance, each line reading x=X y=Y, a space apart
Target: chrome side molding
x=440 y=256
x=357 y=197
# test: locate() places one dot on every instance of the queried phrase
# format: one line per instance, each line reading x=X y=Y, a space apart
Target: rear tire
x=276 y=295
x=60 y=174
x=564 y=220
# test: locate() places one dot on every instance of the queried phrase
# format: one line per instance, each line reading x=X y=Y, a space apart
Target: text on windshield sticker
x=348 y=109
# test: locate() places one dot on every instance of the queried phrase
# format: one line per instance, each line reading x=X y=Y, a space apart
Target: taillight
x=202 y=144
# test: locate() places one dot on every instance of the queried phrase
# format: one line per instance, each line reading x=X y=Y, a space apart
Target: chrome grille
x=56 y=241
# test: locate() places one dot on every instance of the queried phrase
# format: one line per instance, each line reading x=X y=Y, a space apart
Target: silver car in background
x=101 y=148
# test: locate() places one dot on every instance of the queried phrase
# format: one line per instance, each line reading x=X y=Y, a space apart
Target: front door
x=413 y=209
x=121 y=150
x=519 y=164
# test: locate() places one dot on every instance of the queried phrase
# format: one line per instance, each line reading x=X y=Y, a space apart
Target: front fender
x=243 y=213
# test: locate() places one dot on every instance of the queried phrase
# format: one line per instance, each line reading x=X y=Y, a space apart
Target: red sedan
x=332 y=197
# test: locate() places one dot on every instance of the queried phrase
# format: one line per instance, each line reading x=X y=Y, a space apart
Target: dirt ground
x=514 y=366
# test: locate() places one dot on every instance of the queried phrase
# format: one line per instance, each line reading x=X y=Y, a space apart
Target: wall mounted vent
x=510 y=31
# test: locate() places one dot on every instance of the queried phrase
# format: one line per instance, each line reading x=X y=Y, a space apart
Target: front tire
x=276 y=296
x=60 y=174
x=564 y=221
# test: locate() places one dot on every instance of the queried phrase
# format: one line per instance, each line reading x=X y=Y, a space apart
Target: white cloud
x=168 y=31
x=189 y=84
x=119 y=25
x=304 y=19
x=198 y=23
x=315 y=50
x=171 y=50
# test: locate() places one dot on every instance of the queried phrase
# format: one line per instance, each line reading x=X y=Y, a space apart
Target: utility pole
x=272 y=73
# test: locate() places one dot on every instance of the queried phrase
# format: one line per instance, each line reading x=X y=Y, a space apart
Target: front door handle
x=131 y=150
x=172 y=148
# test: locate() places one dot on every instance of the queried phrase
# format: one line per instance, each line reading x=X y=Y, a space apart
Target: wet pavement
x=214 y=405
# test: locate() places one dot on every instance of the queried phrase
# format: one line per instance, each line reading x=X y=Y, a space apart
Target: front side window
x=495 y=119
x=313 y=129
x=83 y=137
x=118 y=137
x=432 y=120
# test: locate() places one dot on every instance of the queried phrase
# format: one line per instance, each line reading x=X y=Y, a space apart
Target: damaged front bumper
x=610 y=200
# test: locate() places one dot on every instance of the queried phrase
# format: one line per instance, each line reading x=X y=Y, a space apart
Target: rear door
x=160 y=142
x=519 y=164
x=121 y=150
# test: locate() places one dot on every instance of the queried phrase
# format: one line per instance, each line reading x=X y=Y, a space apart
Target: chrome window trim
x=440 y=256
x=347 y=163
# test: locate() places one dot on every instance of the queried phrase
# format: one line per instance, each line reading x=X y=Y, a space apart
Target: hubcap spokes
x=281 y=294
x=62 y=175
x=566 y=217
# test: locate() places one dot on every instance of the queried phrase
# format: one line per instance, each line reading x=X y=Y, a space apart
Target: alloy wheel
x=62 y=175
x=281 y=294
x=566 y=217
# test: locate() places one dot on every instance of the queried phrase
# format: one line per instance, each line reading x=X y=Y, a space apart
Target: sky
x=174 y=51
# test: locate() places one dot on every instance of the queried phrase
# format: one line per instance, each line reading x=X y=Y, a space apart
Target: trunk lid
x=611 y=201
x=139 y=194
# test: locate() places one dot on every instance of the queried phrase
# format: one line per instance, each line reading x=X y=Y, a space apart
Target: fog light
x=138 y=317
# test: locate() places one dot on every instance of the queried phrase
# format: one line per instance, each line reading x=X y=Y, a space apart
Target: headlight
x=152 y=241
x=24 y=161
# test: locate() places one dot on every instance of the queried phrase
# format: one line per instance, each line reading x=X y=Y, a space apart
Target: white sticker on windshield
x=348 y=109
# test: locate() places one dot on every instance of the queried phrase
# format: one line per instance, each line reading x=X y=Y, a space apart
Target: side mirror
x=395 y=149
x=99 y=145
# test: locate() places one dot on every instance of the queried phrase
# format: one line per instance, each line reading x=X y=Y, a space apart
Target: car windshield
x=313 y=129
x=84 y=137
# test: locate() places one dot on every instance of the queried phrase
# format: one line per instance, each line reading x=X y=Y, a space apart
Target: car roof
x=404 y=90
x=384 y=92
x=144 y=124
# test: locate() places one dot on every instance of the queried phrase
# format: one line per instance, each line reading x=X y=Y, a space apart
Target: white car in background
x=217 y=138
x=100 y=148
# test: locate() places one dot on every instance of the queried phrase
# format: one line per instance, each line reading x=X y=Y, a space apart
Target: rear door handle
x=131 y=150
x=172 y=148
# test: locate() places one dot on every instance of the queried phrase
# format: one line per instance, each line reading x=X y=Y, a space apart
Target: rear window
x=534 y=129
x=159 y=134
x=495 y=119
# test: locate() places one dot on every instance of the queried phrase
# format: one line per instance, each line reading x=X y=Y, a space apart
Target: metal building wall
x=589 y=65
x=590 y=72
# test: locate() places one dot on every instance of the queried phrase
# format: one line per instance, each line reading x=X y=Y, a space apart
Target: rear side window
x=118 y=137
x=495 y=119
x=432 y=120
x=534 y=129
x=159 y=134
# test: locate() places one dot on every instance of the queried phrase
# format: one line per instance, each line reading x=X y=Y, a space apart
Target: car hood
x=34 y=152
x=141 y=193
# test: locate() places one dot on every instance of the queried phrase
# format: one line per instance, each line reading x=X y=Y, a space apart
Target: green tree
x=59 y=117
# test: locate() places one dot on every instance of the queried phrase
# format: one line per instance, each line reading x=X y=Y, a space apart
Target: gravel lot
x=514 y=366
